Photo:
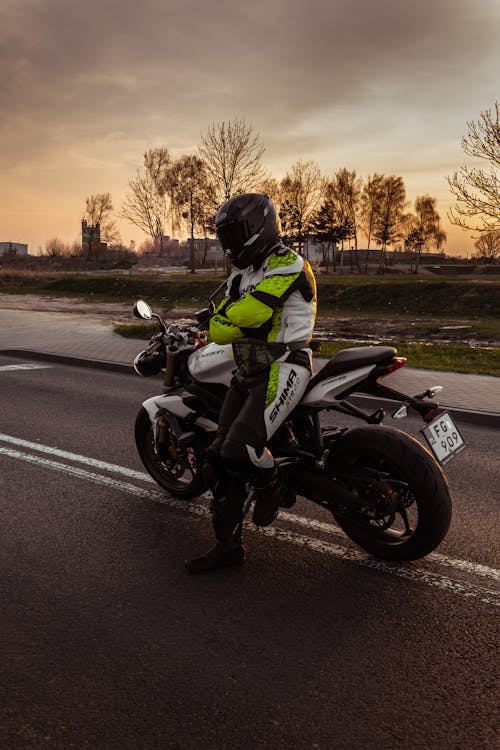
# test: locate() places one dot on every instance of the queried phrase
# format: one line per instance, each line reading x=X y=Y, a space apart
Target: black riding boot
x=269 y=498
x=267 y=502
x=227 y=518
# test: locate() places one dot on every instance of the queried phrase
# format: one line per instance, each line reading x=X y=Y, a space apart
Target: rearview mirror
x=142 y=310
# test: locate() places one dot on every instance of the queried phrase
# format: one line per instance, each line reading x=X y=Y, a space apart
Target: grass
x=448 y=357
x=137 y=330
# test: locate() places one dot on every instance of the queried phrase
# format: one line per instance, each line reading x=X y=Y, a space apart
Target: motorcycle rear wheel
x=179 y=470
x=409 y=487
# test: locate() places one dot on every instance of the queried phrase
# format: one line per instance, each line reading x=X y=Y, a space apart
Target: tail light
x=429 y=415
x=395 y=364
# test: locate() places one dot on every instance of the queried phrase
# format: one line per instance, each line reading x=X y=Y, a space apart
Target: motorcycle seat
x=350 y=359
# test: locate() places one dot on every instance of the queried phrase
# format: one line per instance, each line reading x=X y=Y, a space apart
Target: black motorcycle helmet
x=247 y=226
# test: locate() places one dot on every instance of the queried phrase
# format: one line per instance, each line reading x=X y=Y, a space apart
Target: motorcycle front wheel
x=398 y=477
x=177 y=469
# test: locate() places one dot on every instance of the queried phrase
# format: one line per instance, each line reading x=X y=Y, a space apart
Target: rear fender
x=327 y=391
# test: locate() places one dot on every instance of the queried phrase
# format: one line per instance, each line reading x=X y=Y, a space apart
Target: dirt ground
x=104 y=312
x=328 y=327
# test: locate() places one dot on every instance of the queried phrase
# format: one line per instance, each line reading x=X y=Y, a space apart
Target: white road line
x=467 y=590
x=408 y=572
x=465 y=565
x=73 y=470
x=94 y=462
x=7 y=368
x=468 y=567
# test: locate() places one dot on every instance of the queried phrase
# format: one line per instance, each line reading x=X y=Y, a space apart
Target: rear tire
x=179 y=470
x=412 y=488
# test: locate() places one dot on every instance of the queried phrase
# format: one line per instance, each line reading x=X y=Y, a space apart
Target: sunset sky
x=371 y=85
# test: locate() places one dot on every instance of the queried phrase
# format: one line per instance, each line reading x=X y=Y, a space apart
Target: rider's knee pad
x=256 y=467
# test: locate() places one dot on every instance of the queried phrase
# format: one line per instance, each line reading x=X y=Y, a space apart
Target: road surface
x=106 y=642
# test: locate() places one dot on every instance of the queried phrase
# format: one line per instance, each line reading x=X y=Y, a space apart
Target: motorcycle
x=383 y=487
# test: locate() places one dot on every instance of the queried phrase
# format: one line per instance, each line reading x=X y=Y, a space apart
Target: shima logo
x=286 y=395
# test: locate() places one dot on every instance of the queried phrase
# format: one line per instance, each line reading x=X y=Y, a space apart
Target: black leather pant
x=238 y=455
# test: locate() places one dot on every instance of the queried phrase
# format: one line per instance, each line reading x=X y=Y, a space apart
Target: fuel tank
x=213 y=363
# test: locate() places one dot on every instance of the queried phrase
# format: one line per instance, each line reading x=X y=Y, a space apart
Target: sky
x=382 y=86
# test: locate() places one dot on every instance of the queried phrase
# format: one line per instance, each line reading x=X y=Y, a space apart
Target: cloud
x=87 y=87
x=116 y=56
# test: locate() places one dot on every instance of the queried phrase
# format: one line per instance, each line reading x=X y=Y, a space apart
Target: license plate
x=444 y=437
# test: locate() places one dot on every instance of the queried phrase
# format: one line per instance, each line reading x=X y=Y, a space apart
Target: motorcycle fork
x=161 y=437
x=170 y=434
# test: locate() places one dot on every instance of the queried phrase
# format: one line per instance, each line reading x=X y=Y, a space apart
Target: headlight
x=149 y=363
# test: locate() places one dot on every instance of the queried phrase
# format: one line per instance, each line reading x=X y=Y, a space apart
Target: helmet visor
x=233 y=235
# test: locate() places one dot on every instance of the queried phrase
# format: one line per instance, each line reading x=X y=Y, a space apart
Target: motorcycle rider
x=267 y=314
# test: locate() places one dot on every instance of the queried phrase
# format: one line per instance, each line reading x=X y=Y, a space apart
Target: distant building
x=168 y=251
x=13 y=248
x=90 y=233
x=91 y=238
x=165 y=246
x=318 y=252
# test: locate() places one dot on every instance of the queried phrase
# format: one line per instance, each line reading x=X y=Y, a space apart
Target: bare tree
x=56 y=248
x=422 y=231
x=326 y=224
x=428 y=219
x=388 y=225
x=488 y=245
x=99 y=226
x=232 y=153
x=157 y=164
x=192 y=196
x=370 y=203
x=301 y=191
x=348 y=189
x=271 y=187
x=332 y=222
x=148 y=200
x=478 y=190
x=346 y=192
x=413 y=239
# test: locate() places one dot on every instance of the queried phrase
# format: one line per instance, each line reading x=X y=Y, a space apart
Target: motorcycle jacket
x=275 y=302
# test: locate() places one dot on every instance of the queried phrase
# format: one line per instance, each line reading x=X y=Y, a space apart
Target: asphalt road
x=106 y=642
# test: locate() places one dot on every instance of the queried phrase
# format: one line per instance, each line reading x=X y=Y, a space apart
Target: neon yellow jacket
x=275 y=302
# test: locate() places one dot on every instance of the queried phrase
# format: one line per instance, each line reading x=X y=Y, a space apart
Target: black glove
x=203 y=317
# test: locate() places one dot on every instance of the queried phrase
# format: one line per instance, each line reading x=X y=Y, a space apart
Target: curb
x=67 y=359
x=464 y=416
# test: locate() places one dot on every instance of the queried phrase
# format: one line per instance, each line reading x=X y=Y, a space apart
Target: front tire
x=404 y=481
x=178 y=470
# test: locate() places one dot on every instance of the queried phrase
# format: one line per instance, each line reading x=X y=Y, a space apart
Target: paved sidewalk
x=70 y=337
